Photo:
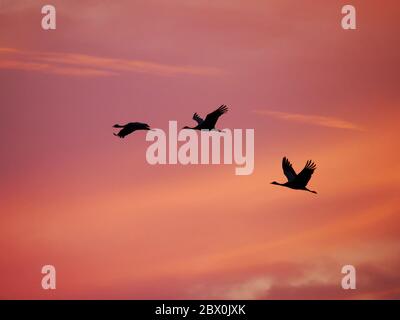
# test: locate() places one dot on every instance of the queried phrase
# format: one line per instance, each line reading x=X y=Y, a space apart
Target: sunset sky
x=115 y=227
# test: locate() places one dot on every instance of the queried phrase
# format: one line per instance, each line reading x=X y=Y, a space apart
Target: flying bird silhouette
x=129 y=128
x=297 y=181
x=209 y=122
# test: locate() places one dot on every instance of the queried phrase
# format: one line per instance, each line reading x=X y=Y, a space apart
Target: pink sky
x=76 y=197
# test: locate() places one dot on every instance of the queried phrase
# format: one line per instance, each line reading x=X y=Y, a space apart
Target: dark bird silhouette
x=129 y=128
x=297 y=181
x=209 y=122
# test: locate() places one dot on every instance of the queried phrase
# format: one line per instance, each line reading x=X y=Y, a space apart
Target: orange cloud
x=88 y=65
x=317 y=120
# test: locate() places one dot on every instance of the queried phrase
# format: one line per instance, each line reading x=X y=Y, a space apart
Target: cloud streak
x=316 y=120
x=53 y=69
x=76 y=64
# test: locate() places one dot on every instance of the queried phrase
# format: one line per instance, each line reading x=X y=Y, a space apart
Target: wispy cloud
x=317 y=120
x=53 y=69
x=305 y=280
x=87 y=65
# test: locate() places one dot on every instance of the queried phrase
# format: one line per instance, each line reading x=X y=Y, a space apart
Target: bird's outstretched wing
x=305 y=175
x=288 y=169
x=197 y=118
x=212 y=118
x=140 y=126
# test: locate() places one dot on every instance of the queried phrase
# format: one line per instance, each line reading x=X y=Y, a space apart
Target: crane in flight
x=297 y=181
x=210 y=121
x=129 y=128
